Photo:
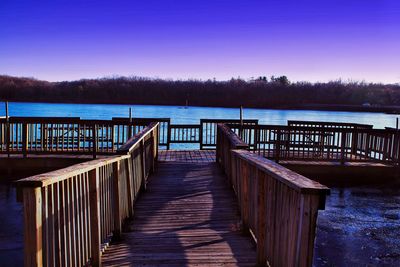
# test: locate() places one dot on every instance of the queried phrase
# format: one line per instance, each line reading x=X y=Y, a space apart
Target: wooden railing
x=278 y=207
x=208 y=128
x=185 y=134
x=71 y=214
x=322 y=143
x=137 y=124
x=37 y=135
x=204 y=134
x=300 y=140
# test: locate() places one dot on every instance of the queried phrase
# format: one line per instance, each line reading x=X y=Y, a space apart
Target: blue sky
x=307 y=40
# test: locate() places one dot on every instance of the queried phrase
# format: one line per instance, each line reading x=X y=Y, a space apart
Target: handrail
x=290 y=178
x=278 y=207
x=135 y=140
x=48 y=178
x=71 y=214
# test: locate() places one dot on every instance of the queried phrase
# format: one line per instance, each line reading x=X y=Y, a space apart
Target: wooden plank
x=94 y=191
x=32 y=227
x=117 y=200
x=188 y=215
x=188 y=156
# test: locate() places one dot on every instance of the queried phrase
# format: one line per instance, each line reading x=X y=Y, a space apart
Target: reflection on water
x=11 y=229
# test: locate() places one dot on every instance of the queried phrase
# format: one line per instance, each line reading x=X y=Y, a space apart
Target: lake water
x=181 y=115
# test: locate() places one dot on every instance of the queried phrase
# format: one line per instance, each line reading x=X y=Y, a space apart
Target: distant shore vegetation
x=261 y=92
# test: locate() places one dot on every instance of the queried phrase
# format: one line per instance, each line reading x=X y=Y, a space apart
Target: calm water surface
x=181 y=115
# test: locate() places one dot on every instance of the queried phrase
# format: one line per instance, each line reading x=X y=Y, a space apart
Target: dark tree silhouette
x=278 y=92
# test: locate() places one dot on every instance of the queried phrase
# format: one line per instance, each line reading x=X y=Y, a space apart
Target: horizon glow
x=306 y=40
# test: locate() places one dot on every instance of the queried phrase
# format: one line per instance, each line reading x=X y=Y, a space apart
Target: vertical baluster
x=32 y=227
x=94 y=217
x=63 y=223
x=67 y=219
x=45 y=226
x=72 y=222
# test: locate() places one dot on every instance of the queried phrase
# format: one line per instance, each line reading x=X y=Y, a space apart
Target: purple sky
x=313 y=40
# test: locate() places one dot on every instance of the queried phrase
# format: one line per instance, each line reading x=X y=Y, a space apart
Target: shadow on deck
x=187 y=216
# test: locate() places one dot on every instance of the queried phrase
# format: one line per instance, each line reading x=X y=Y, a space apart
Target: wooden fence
x=279 y=207
x=318 y=143
x=209 y=130
x=71 y=214
x=65 y=135
x=37 y=135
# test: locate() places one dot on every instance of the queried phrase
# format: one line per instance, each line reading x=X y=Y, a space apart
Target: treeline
x=262 y=92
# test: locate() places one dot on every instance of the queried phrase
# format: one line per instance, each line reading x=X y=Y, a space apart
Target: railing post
x=79 y=137
x=154 y=136
x=94 y=196
x=7 y=131
x=113 y=147
x=367 y=143
x=256 y=139
x=354 y=141
x=217 y=144
x=201 y=134
x=94 y=135
x=117 y=200
x=129 y=130
x=386 y=137
x=169 y=135
x=343 y=148
x=143 y=165
x=33 y=246
x=8 y=137
x=278 y=146
x=25 y=139
x=129 y=173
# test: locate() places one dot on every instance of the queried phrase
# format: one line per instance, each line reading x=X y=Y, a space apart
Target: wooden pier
x=187 y=216
x=138 y=205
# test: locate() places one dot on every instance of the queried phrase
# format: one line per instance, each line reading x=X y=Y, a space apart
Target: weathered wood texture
x=209 y=130
x=187 y=217
x=306 y=140
x=279 y=207
x=35 y=135
x=71 y=214
x=192 y=156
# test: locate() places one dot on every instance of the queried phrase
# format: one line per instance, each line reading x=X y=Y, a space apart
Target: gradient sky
x=307 y=40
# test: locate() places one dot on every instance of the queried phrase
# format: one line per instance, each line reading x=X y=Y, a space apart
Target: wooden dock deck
x=188 y=216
